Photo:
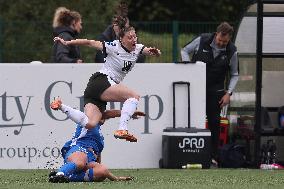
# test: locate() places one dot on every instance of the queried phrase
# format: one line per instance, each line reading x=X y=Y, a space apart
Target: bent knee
x=134 y=96
x=80 y=164
x=132 y=100
x=137 y=97
x=100 y=173
x=93 y=119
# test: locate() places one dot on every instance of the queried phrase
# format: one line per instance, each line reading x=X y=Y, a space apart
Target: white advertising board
x=32 y=134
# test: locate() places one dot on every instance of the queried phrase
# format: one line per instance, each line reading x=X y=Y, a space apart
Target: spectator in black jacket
x=67 y=25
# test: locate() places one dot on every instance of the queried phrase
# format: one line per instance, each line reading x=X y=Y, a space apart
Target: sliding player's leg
x=75 y=160
x=96 y=173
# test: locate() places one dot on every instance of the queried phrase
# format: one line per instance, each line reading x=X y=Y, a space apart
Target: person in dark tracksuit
x=67 y=25
x=220 y=56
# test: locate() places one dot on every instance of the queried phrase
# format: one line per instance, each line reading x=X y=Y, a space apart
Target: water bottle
x=265 y=166
x=192 y=166
x=269 y=166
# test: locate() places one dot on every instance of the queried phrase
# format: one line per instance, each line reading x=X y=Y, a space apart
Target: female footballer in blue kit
x=105 y=86
x=82 y=153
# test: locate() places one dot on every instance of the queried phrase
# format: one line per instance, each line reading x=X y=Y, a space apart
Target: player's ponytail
x=120 y=17
x=122 y=9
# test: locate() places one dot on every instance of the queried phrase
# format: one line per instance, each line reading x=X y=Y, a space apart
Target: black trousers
x=213 y=111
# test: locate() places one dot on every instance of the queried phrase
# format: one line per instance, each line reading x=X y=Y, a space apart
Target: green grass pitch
x=154 y=178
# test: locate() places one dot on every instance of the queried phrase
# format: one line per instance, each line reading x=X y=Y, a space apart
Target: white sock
x=75 y=115
x=59 y=173
x=128 y=109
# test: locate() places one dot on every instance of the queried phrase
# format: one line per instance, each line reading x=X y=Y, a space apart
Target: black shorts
x=97 y=84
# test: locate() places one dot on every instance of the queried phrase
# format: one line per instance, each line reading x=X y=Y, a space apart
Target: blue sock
x=68 y=168
x=82 y=176
x=91 y=174
x=78 y=177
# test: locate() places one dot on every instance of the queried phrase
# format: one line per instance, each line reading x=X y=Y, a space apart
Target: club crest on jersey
x=126 y=66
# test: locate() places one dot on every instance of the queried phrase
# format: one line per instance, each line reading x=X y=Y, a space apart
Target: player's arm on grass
x=112 y=177
x=84 y=42
x=101 y=172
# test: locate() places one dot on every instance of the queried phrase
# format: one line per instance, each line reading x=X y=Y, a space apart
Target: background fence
x=22 y=41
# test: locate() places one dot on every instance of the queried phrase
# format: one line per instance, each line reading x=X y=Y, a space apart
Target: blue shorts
x=90 y=154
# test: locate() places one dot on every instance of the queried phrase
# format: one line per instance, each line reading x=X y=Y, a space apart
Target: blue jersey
x=86 y=138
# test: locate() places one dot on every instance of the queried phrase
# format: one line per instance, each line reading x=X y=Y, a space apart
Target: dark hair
x=121 y=9
x=120 y=21
x=124 y=30
x=225 y=28
x=67 y=17
x=120 y=17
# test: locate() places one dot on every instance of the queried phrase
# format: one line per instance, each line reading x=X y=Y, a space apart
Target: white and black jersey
x=119 y=61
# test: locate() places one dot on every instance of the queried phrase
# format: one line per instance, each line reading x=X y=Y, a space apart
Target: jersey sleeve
x=110 y=46
x=140 y=48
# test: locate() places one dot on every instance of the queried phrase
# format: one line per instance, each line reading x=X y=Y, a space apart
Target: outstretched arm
x=151 y=51
x=116 y=113
x=111 y=114
x=84 y=42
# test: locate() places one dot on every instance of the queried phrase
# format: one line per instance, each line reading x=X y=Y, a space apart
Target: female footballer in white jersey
x=105 y=86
